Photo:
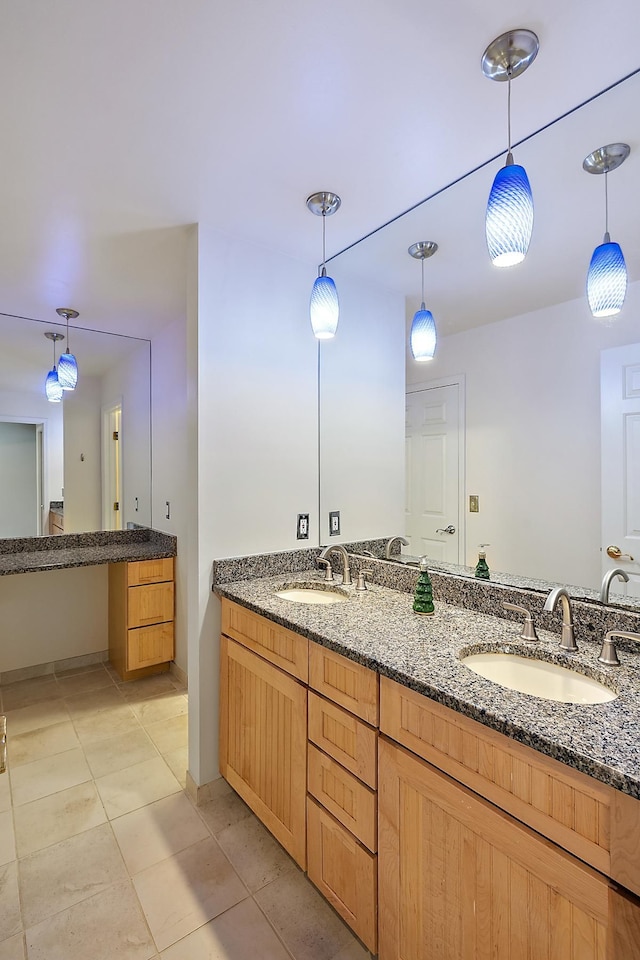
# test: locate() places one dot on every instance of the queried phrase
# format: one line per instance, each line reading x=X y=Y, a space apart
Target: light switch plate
x=474 y=504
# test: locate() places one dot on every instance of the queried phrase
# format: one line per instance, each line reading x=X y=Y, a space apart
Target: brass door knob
x=616 y=554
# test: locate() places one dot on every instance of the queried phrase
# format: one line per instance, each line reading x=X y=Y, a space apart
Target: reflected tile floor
x=104 y=855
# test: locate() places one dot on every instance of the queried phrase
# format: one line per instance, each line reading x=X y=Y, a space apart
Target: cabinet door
x=263 y=742
x=461 y=880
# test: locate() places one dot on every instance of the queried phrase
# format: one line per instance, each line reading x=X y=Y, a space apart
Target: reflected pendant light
x=67 y=364
x=52 y=387
x=509 y=218
x=324 y=307
x=422 y=338
x=607 y=276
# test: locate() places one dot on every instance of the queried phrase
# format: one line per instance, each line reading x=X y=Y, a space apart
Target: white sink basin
x=308 y=595
x=538 y=678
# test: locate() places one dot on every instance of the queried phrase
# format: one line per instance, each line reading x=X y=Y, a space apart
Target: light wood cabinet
x=263 y=742
x=141 y=617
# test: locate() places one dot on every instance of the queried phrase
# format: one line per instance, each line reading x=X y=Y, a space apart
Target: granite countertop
x=33 y=554
x=379 y=629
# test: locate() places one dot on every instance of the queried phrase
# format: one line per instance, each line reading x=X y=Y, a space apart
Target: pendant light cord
x=509 y=112
x=324 y=222
x=606 y=203
x=422 y=265
x=67 y=318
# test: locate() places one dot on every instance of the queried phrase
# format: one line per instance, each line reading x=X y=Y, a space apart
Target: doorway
x=112 y=511
x=21 y=478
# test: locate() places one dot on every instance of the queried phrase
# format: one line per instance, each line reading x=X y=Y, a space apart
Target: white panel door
x=620 y=446
x=433 y=473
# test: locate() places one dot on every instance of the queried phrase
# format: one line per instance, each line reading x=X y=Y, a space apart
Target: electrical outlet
x=474 y=504
x=303 y=526
x=334 y=523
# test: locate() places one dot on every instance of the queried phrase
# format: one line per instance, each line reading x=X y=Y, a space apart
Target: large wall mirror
x=83 y=464
x=515 y=404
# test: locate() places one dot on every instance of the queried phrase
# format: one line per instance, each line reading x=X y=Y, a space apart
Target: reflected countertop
x=33 y=554
x=379 y=629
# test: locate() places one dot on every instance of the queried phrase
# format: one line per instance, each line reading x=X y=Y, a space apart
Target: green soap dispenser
x=423 y=598
x=482 y=569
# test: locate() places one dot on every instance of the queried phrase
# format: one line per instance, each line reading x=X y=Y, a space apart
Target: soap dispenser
x=423 y=598
x=482 y=569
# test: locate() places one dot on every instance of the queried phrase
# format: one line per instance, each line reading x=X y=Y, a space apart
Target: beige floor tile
x=157 y=831
x=35 y=716
x=5 y=793
x=49 y=775
x=107 y=926
x=43 y=742
x=178 y=761
x=62 y=815
x=10 y=922
x=116 y=753
x=303 y=919
x=224 y=808
x=55 y=878
x=108 y=723
x=180 y=894
x=13 y=948
x=239 y=934
x=163 y=707
x=169 y=735
x=83 y=682
x=26 y=692
x=94 y=702
x=128 y=789
x=7 y=842
x=254 y=854
x=61 y=672
x=137 y=690
x=353 y=951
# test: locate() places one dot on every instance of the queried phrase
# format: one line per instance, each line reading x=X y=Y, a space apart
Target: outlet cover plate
x=302 y=526
x=334 y=523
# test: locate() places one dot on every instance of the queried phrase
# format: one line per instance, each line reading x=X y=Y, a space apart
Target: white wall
x=52 y=615
x=82 y=457
x=533 y=435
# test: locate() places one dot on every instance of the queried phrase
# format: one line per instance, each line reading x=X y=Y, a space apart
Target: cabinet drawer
x=149 y=571
x=149 y=645
x=347 y=683
x=152 y=603
x=345 y=738
x=350 y=802
x=288 y=650
x=343 y=871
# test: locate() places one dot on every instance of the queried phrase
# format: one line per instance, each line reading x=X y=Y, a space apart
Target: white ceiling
x=123 y=122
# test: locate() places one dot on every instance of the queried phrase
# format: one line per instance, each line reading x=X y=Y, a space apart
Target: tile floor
x=104 y=856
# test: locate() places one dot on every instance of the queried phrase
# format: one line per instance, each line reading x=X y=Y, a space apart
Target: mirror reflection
x=523 y=433
x=82 y=464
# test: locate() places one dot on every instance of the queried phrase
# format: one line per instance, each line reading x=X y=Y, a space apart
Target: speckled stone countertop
x=379 y=629
x=33 y=554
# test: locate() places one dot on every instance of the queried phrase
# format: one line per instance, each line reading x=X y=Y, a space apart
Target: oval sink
x=538 y=678
x=309 y=595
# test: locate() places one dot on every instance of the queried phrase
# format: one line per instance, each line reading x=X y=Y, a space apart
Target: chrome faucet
x=606 y=582
x=346 y=571
x=390 y=543
x=568 y=639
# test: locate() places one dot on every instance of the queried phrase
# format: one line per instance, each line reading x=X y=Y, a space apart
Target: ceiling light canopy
x=423 y=338
x=324 y=307
x=509 y=218
x=607 y=275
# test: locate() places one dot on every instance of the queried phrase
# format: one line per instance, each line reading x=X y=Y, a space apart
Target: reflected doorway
x=21 y=478
x=112 y=467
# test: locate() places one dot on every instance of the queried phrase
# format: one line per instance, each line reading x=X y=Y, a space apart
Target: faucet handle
x=328 y=574
x=361 y=584
x=528 y=627
x=608 y=653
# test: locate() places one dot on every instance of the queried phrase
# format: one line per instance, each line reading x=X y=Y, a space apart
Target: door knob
x=616 y=554
x=449 y=529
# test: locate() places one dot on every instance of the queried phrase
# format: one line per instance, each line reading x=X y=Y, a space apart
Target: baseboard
x=53 y=667
x=200 y=794
x=178 y=673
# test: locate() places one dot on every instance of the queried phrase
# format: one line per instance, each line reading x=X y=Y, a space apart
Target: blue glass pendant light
x=52 y=387
x=67 y=365
x=422 y=338
x=509 y=218
x=324 y=307
x=607 y=276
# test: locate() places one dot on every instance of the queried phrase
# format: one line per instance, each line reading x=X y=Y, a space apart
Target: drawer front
x=149 y=571
x=147 y=646
x=149 y=604
x=344 y=872
x=345 y=738
x=288 y=650
x=347 y=683
x=562 y=804
x=343 y=795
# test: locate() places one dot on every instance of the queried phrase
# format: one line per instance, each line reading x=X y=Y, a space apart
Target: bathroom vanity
x=440 y=814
